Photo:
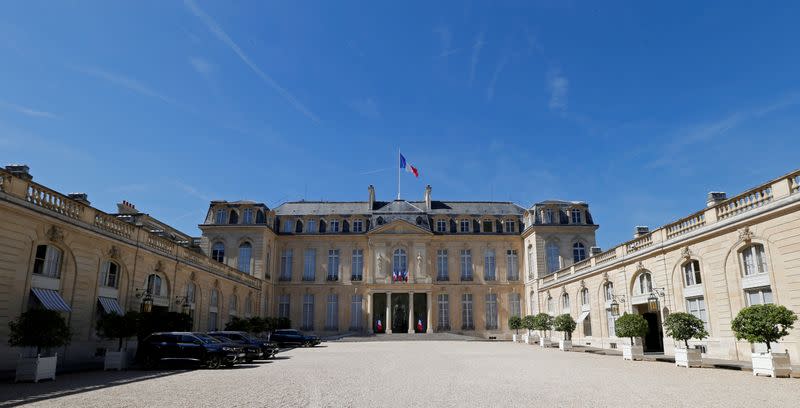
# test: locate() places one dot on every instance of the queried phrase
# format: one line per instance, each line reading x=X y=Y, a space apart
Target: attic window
x=380 y=220
x=419 y=220
x=487 y=226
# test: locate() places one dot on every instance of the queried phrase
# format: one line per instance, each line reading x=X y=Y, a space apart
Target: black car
x=186 y=346
x=287 y=337
x=255 y=348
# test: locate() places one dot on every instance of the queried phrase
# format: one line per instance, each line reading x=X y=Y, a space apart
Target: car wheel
x=213 y=362
x=307 y=344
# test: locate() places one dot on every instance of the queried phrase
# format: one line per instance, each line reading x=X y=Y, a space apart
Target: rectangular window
x=758 y=296
x=356 y=320
x=510 y=227
x=288 y=226
x=530 y=263
x=332 y=314
x=491 y=311
x=220 y=217
x=308 y=312
x=310 y=265
x=576 y=216
x=464 y=226
x=108 y=277
x=548 y=216
x=691 y=272
x=754 y=260
x=334 y=226
x=441 y=225
x=47 y=261
x=358 y=226
x=466 y=312
x=611 y=320
x=488 y=226
x=247 y=216
x=283 y=306
x=466 y=265
x=514 y=304
x=512 y=262
x=444 y=311
x=311 y=226
x=358 y=265
x=697 y=307
x=442 y=273
x=333 y=264
x=489 y=270
x=286 y=265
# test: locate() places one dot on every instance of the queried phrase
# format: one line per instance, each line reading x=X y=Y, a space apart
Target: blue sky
x=639 y=109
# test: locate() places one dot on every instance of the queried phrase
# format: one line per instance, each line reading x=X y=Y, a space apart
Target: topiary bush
x=113 y=326
x=565 y=324
x=683 y=326
x=631 y=325
x=528 y=323
x=542 y=321
x=515 y=323
x=237 y=324
x=40 y=328
x=763 y=324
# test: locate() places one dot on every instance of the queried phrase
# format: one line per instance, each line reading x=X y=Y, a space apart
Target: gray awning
x=583 y=316
x=51 y=299
x=110 y=305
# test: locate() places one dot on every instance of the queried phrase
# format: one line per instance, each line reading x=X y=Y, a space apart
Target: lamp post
x=652 y=300
x=183 y=302
x=147 y=299
x=615 y=301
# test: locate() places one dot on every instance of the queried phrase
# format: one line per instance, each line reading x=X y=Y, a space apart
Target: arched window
x=47 y=261
x=553 y=257
x=644 y=283
x=248 y=306
x=609 y=290
x=214 y=302
x=565 y=302
x=233 y=305
x=532 y=300
x=247 y=216
x=154 y=284
x=233 y=218
x=754 y=260
x=578 y=252
x=245 y=255
x=190 y=293
x=260 y=219
x=109 y=275
x=213 y=310
x=220 y=216
x=691 y=273
x=399 y=262
x=584 y=297
x=298 y=227
x=218 y=252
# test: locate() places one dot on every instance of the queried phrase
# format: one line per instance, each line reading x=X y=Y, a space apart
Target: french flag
x=408 y=167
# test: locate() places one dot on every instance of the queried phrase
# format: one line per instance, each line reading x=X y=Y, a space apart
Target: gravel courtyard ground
x=417 y=374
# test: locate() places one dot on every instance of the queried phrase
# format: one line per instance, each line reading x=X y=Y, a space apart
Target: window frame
x=105 y=274
x=691 y=272
x=512 y=265
x=52 y=259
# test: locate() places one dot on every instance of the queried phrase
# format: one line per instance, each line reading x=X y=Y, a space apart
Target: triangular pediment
x=399 y=227
x=399 y=206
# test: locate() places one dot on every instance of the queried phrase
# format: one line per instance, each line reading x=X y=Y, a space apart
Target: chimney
x=595 y=250
x=428 y=197
x=20 y=170
x=126 y=207
x=640 y=230
x=80 y=197
x=371 y=197
x=715 y=197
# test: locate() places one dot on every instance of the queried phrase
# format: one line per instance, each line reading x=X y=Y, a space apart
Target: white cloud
x=28 y=111
x=558 y=85
x=223 y=36
x=476 y=54
x=366 y=108
x=126 y=82
x=490 y=89
x=202 y=66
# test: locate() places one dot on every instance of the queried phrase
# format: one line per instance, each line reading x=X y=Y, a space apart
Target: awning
x=110 y=305
x=51 y=299
x=582 y=316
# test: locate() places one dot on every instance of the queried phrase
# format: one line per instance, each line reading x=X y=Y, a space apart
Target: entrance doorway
x=420 y=313
x=379 y=313
x=654 y=340
x=400 y=312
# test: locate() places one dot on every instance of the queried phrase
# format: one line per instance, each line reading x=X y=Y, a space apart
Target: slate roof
x=399 y=207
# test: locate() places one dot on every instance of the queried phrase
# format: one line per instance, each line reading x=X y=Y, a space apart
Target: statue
x=419 y=264
x=379 y=265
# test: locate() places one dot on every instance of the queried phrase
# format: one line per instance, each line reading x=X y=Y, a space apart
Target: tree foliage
x=40 y=328
x=113 y=326
x=237 y=324
x=631 y=325
x=152 y=322
x=683 y=326
x=515 y=323
x=542 y=321
x=565 y=324
x=528 y=323
x=763 y=323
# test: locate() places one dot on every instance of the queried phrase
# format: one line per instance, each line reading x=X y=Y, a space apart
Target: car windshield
x=206 y=338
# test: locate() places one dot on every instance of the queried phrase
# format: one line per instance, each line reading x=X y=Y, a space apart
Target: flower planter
x=565 y=345
x=771 y=364
x=632 y=352
x=688 y=358
x=36 y=368
x=116 y=360
x=543 y=342
x=514 y=338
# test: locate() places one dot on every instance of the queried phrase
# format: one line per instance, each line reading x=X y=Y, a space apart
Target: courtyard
x=415 y=373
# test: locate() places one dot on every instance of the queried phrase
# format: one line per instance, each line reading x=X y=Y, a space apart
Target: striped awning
x=583 y=316
x=51 y=299
x=110 y=305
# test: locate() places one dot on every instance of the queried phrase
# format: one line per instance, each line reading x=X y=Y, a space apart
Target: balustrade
x=110 y=224
x=745 y=202
x=44 y=197
x=685 y=225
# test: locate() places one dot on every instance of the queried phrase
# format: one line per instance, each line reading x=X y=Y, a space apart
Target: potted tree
x=565 y=324
x=117 y=327
x=683 y=326
x=528 y=324
x=45 y=330
x=766 y=324
x=515 y=323
x=544 y=323
x=631 y=325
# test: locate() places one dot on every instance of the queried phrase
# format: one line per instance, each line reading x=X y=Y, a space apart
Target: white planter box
x=514 y=338
x=543 y=342
x=116 y=360
x=771 y=364
x=36 y=368
x=632 y=352
x=565 y=345
x=688 y=358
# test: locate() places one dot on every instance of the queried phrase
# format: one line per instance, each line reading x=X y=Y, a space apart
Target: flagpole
x=398 y=173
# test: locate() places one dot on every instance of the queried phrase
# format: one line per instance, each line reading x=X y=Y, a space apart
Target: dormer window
x=576 y=216
x=233 y=218
x=441 y=225
x=247 y=216
x=287 y=226
x=311 y=226
x=463 y=226
x=334 y=226
x=260 y=219
x=358 y=226
x=488 y=226
x=510 y=226
x=549 y=217
x=220 y=219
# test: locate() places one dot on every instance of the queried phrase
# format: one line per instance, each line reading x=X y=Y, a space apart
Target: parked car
x=286 y=337
x=255 y=348
x=186 y=346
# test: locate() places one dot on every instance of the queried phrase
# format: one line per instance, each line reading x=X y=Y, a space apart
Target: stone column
x=371 y=328
x=411 y=320
x=428 y=323
x=388 y=323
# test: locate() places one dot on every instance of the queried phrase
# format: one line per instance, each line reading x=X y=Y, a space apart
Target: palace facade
x=397 y=266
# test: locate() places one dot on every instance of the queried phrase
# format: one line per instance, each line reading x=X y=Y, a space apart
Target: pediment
x=399 y=206
x=399 y=227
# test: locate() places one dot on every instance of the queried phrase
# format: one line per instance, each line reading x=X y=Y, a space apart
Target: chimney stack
x=715 y=197
x=371 y=197
x=80 y=197
x=595 y=250
x=428 y=197
x=641 y=230
x=126 y=207
x=20 y=170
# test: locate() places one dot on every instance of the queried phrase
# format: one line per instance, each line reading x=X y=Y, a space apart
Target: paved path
x=421 y=374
